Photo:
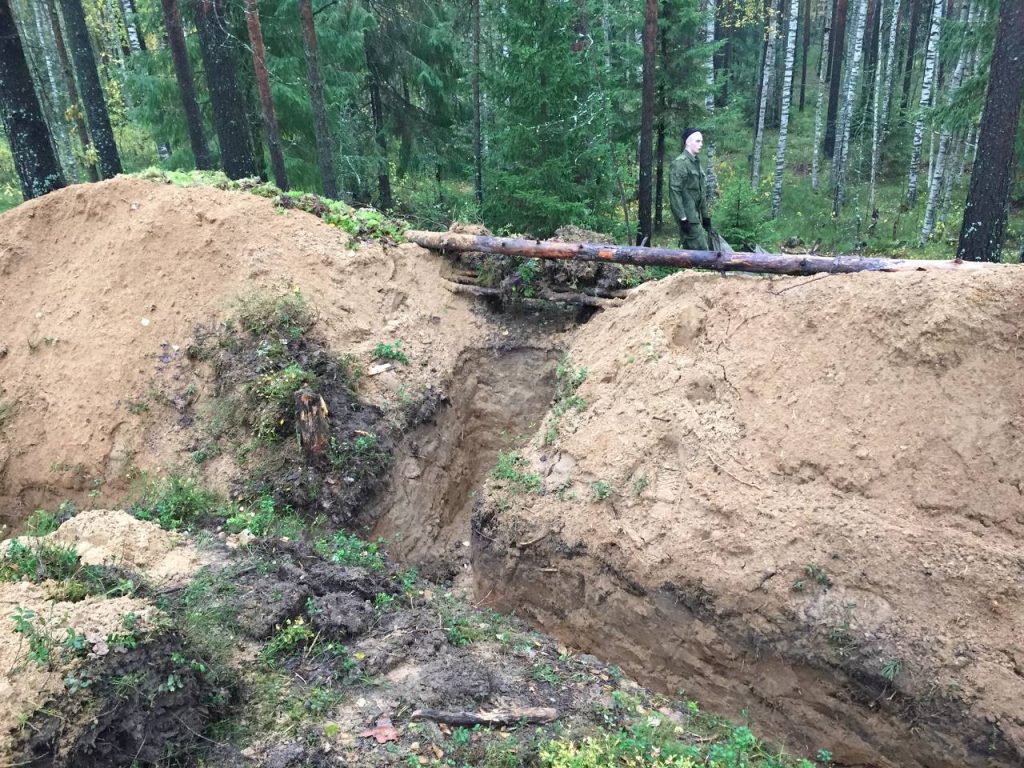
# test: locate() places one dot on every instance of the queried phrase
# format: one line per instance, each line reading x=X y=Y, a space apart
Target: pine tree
x=324 y=147
x=259 y=64
x=34 y=159
x=186 y=85
x=818 y=110
x=92 y=92
x=227 y=100
x=985 y=213
x=840 y=11
x=650 y=36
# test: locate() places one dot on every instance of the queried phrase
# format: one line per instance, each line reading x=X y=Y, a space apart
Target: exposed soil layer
x=102 y=287
x=799 y=497
x=495 y=399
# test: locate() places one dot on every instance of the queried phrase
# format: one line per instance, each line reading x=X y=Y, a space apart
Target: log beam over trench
x=774 y=263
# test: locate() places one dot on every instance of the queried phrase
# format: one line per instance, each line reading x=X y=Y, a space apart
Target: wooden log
x=498 y=717
x=313 y=424
x=774 y=263
x=543 y=295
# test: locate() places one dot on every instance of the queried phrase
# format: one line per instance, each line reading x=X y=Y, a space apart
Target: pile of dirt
x=101 y=679
x=102 y=287
x=799 y=497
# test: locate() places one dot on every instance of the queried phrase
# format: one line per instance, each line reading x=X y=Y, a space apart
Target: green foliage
x=37 y=561
x=348 y=549
x=288 y=640
x=891 y=668
x=510 y=471
x=175 y=501
x=601 y=490
x=392 y=351
x=264 y=518
x=41 y=522
x=284 y=314
x=743 y=215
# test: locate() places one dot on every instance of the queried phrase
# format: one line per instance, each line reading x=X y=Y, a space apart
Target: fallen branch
x=498 y=717
x=775 y=263
x=541 y=297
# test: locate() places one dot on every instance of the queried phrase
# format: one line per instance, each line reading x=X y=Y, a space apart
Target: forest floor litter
x=800 y=501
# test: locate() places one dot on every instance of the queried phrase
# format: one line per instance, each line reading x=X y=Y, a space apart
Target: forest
x=835 y=126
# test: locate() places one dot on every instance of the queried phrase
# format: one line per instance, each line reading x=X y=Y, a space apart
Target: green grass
x=348 y=549
x=175 y=502
x=510 y=471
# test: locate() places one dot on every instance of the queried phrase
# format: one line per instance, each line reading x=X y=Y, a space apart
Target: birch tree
x=883 y=90
x=819 y=109
x=709 y=97
x=766 y=81
x=926 y=98
x=787 y=92
x=645 y=229
x=22 y=117
x=846 y=120
x=937 y=181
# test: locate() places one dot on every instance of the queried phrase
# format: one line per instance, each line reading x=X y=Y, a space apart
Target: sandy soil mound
x=802 y=497
x=101 y=287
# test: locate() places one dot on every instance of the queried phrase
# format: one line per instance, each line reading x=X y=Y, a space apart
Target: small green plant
x=31 y=626
x=383 y=602
x=288 y=640
x=174 y=502
x=41 y=523
x=8 y=410
x=348 y=549
x=511 y=471
x=545 y=673
x=891 y=668
x=568 y=379
x=819 y=575
x=640 y=485
x=601 y=490
x=284 y=315
x=38 y=561
x=392 y=351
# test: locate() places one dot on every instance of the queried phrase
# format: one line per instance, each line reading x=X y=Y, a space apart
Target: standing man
x=687 y=193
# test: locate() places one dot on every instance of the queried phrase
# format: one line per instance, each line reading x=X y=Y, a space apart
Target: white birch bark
x=881 y=99
x=853 y=76
x=766 y=82
x=709 y=98
x=938 y=181
x=129 y=27
x=787 y=94
x=822 y=68
x=926 y=98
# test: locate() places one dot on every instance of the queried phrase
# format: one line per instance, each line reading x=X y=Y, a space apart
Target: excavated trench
x=495 y=402
x=671 y=638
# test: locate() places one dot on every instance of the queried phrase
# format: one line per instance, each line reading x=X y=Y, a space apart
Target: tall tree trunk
x=823 y=63
x=606 y=76
x=883 y=87
x=787 y=93
x=135 y=42
x=69 y=83
x=54 y=106
x=659 y=166
x=377 y=112
x=806 y=49
x=769 y=68
x=954 y=174
x=324 y=147
x=259 y=65
x=985 y=214
x=92 y=92
x=835 y=74
x=926 y=97
x=650 y=39
x=478 y=151
x=937 y=182
x=230 y=117
x=186 y=85
x=839 y=162
x=908 y=64
x=31 y=148
x=709 y=97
